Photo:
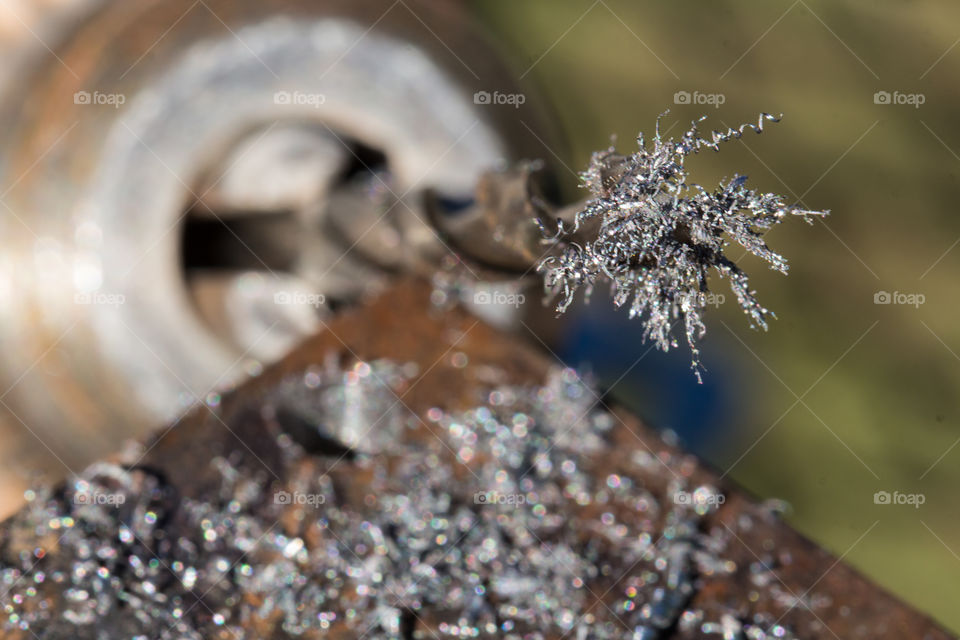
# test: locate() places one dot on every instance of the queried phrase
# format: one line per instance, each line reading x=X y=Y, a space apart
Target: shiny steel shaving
x=514 y=519
x=654 y=237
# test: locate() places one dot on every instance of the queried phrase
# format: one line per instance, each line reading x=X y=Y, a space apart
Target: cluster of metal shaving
x=504 y=521
x=655 y=238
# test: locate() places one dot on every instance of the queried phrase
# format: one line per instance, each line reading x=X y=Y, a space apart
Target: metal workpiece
x=499 y=229
x=364 y=483
x=174 y=172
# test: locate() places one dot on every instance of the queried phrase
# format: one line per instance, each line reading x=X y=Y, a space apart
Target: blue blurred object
x=659 y=386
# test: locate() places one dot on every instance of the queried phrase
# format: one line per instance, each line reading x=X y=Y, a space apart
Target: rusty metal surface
x=835 y=601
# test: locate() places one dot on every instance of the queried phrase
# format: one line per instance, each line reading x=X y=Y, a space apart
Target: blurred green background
x=843 y=397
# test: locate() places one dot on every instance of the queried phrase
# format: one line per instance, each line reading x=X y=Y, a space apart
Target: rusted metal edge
x=806 y=588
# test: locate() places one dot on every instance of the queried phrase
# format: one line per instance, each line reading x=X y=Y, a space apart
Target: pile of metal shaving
x=510 y=520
